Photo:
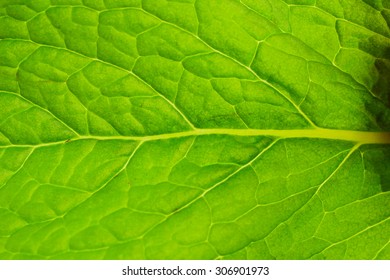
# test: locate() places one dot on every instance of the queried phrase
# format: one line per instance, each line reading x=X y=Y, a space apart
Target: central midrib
x=361 y=137
x=358 y=137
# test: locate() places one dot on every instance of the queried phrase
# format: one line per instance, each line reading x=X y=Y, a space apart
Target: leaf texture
x=194 y=129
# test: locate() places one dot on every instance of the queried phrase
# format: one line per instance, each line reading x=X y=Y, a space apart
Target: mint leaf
x=194 y=129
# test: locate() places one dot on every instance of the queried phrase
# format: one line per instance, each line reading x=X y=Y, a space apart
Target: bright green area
x=105 y=105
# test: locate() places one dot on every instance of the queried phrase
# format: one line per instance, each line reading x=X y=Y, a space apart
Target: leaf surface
x=194 y=129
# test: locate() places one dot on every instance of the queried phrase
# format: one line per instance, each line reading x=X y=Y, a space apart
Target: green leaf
x=194 y=129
